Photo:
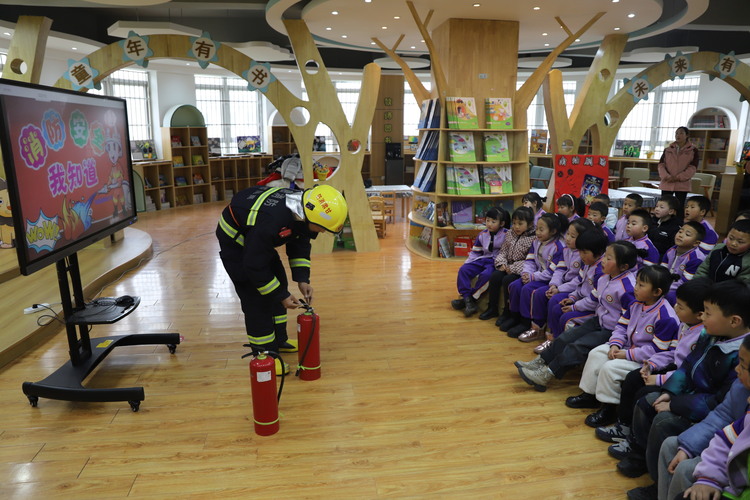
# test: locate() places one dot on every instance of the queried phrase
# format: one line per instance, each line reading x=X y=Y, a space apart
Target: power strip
x=35 y=308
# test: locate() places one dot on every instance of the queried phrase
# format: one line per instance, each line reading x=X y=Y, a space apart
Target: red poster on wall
x=584 y=176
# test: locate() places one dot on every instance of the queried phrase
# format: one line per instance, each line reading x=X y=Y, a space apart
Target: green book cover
x=496 y=146
x=499 y=113
x=461 y=147
x=450 y=180
x=462 y=112
x=467 y=179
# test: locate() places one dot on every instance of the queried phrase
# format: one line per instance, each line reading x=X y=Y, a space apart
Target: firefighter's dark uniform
x=257 y=221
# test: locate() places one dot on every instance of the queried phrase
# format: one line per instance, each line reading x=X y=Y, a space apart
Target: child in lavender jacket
x=537 y=271
x=632 y=201
x=481 y=260
x=685 y=257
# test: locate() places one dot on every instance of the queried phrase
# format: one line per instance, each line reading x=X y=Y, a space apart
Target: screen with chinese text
x=67 y=168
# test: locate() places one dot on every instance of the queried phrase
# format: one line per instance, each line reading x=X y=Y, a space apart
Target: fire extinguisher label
x=264 y=376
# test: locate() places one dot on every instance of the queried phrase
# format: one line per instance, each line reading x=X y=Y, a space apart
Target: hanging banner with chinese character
x=638 y=87
x=135 y=48
x=204 y=50
x=258 y=76
x=81 y=74
x=584 y=176
x=679 y=66
x=727 y=65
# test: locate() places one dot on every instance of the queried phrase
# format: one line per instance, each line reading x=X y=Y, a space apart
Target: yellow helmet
x=326 y=207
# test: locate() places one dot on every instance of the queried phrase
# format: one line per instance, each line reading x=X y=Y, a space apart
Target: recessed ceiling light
x=187 y=64
x=631 y=15
x=546 y=45
x=74 y=48
x=537 y=8
x=476 y=5
x=344 y=36
x=384 y=27
x=413 y=47
x=6 y=33
x=615 y=1
x=368 y=1
x=396 y=17
x=373 y=43
x=617 y=29
x=328 y=28
x=578 y=39
x=544 y=34
x=335 y=13
x=422 y=41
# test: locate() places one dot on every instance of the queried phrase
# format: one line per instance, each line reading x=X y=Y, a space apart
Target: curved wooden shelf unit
x=419 y=220
x=415 y=245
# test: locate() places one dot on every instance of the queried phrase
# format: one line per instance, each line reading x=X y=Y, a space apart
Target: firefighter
x=256 y=221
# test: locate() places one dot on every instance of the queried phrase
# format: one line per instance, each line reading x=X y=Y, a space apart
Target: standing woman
x=677 y=166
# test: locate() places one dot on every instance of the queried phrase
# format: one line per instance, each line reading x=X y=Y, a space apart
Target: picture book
x=248 y=144
x=410 y=143
x=427 y=182
x=444 y=246
x=745 y=155
x=214 y=145
x=496 y=146
x=426 y=236
x=450 y=180
x=499 y=113
x=135 y=151
x=497 y=179
x=433 y=119
x=424 y=113
x=462 y=214
x=461 y=112
x=480 y=210
x=195 y=140
x=180 y=181
x=442 y=215
x=176 y=141
x=178 y=161
x=462 y=246
x=717 y=143
x=461 y=146
x=198 y=178
x=592 y=186
x=629 y=149
x=538 y=143
x=428 y=148
x=467 y=179
x=197 y=160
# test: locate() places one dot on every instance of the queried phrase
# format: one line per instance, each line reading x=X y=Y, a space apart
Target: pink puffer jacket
x=681 y=164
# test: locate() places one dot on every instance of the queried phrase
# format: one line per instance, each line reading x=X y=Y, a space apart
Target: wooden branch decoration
x=441 y=83
x=417 y=88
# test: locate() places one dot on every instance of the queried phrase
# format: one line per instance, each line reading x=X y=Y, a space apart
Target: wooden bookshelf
x=712 y=132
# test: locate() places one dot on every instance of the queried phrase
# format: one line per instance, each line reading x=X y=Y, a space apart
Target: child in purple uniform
x=632 y=202
x=578 y=304
x=535 y=203
x=611 y=220
x=597 y=215
x=637 y=230
x=571 y=207
x=614 y=294
x=537 y=271
x=481 y=260
x=648 y=327
x=696 y=208
x=685 y=256
x=565 y=277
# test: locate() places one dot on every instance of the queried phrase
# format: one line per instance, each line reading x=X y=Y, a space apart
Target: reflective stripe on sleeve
x=299 y=262
x=270 y=286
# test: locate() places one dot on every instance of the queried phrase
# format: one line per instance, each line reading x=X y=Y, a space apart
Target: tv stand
x=86 y=353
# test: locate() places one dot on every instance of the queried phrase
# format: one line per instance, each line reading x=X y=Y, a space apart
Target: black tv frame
x=28 y=266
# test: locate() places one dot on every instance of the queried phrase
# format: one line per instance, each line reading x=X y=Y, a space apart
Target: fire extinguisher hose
x=311 y=311
x=275 y=355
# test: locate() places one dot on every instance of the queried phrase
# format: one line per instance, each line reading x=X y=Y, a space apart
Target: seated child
x=537 y=272
x=664 y=224
x=571 y=206
x=509 y=261
x=611 y=220
x=597 y=215
x=580 y=303
x=696 y=387
x=632 y=202
x=535 y=203
x=614 y=293
x=637 y=230
x=659 y=367
x=731 y=259
x=685 y=256
x=696 y=208
x=648 y=327
x=481 y=261
x=565 y=277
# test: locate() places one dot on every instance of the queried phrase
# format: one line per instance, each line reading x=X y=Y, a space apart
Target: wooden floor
x=415 y=400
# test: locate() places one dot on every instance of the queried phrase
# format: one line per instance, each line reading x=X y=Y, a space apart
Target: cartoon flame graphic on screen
x=71 y=224
x=43 y=233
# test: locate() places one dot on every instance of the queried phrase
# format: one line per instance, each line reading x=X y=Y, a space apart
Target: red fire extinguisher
x=263 y=387
x=308 y=335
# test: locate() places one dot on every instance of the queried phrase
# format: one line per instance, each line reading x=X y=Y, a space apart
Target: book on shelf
x=499 y=112
x=461 y=146
x=497 y=179
x=538 y=142
x=410 y=143
x=480 y=211
x=699 y=142
x=195 y=140
x=135 y=151
x=197 y=160
x=214 y=145
x=198 y=178
x=249 y=143
x=419 y=203
x=467 y=179
x=176 y=141
x=178 y=161
x=426 y=236
x=424 y=113
x=496 y=146
x=428 y=148
x=450 y=180
x=442 y=214
x=197 y=198
x=718 y=143
x=426 y=182
x=708 y=121
x=180 y=181
x=429 y=211
x=444 y=247
x=629 y=149
x=462 y=214
x=462 y=245
x=461 y=112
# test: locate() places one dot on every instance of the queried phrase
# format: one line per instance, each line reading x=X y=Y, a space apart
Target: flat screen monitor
x=67 y=170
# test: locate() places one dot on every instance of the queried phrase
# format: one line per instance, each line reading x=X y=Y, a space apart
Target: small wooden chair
x=377 y=209
x=389 y=198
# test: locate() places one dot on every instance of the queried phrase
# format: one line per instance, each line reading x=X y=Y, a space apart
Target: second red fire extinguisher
x=308 y=338
x=263 y=388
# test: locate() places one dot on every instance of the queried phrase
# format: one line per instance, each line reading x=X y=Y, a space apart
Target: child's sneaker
x=531 y=364
x=613 y=433
x=620 y=450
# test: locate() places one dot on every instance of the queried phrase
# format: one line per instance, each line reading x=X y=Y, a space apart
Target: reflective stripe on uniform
x=230 y=231
x=279 y=319
x=299 y=262
x=270 y=286
x=253 y=214
x=261 y=340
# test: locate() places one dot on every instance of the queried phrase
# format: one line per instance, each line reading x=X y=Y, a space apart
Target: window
x=348 y=95
x=654 y=121
x=535 y=115
x=133 y=86
x=229 y=108
x=412 y=109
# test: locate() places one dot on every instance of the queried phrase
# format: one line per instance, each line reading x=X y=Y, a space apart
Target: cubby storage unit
x=282 y=143
x=158 y=182
x=230 y=174
x=713 y=131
